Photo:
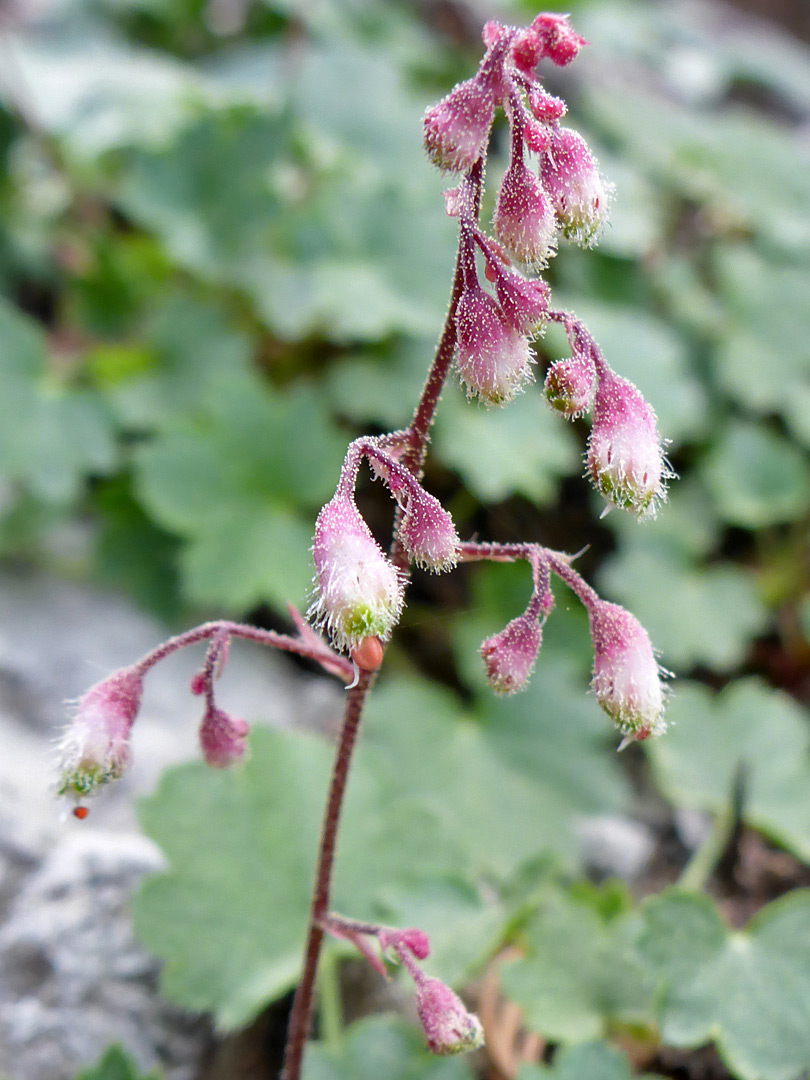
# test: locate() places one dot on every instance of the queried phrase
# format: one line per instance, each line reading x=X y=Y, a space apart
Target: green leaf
x=417 y=839
x=229 y=916
x=52 y=433
x=233 y=483
x=706 y=616
x=757 y=477
x=381 y=1047
x=592 y=1060
x=190 y=351
x=116 y=1064
x=761 y=357
x=580 y=973
x=747 y=990
x=746 y=725
x=541 y=750
x=520 y=449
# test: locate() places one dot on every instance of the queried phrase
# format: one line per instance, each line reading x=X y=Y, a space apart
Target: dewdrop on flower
x=359 y=592
x=570 y=175
x=222 y=737
x=95 y=747
x=510 y=655
x=427 y=532
x=456 y=129
x=625 y=453
x=449 y=1028
x=493 y=358
x=524 y=219
x=569 y=386
x=626 y=675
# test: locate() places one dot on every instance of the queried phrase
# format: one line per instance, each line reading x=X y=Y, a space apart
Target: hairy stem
x=414 y=456
x=301 y=1015
x=315 y=650
x=413 y=459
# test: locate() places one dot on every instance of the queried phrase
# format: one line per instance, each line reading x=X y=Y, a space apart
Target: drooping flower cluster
x=562 y=192
x=448 y=1025
x=627 y=680
x=358 y=591
x=95 y=747
x=625 y=458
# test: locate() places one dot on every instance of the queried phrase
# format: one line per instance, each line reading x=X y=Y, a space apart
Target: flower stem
x=413 y=459
x=414 y=456
x=301 y=1015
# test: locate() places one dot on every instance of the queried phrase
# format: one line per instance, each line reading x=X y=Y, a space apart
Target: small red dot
x=490 y=272
x=80 y=812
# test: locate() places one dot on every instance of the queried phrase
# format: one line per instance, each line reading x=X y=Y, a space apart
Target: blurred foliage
x=115 y=1064
x=222 y=255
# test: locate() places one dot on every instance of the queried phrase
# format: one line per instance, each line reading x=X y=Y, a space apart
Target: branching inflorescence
x=551 y=188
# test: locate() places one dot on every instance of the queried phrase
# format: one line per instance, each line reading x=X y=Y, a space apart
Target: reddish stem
x=414 y=456
x=301 y=1014
x=413 y=459
x=331 y=661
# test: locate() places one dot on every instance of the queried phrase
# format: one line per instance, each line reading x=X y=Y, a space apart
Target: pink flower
x=559 y=42
x=626 y=675
x=359 y=592
x=569 y=386
x=510 y=655
x=524 y=218
x=222 y=737
x=492 y=357
x=95 y=748
x=625 y=452
x=449 y=1028
x=457 y=128
x=524 y=301
x=414 y=940
x=427 y=532
x=571 y=177
x=545 y=106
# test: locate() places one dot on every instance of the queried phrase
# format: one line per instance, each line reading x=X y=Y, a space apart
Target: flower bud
x=448 y=1027
x=456 y=129
x=493 y=359
x=626 y=676
x=527 y=48
x=428 y=534
x=222 y=737
x=509 y=656
x=95 y=748
x=569 y=386
x=536 y=136
x=579 y=194
x=524 y=301
x=524 y=219
x=625 y=453
x=545 y=106
x=359 y=592
x=560 y=44
x=414 y=940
